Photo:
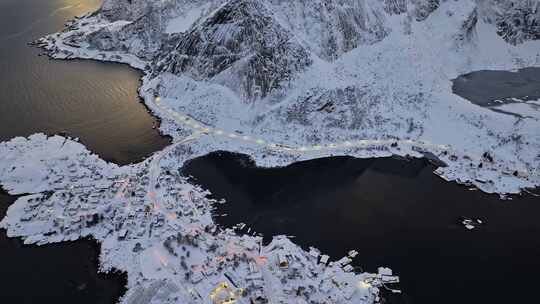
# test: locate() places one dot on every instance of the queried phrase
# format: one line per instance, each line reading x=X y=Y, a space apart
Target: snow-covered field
x=282 y=82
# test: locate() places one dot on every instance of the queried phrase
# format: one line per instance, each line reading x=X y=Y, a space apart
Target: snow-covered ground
x=525 y=109
x=252 y=76
x=158 y=228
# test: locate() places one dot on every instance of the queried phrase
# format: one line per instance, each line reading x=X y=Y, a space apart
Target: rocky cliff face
x=145 y=34
x=423 y=8
x=419 y=9
x=142 y=37
x=130 y=10
x=242 y=44
x=332 y=28
x=518 y=20
x=256 y=46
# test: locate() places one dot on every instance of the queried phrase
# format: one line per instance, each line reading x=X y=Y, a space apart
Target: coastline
x=459 y=161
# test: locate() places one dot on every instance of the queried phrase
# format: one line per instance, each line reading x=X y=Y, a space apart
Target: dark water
x=94 y=101
x=397 y=213
x=59 y=273
x=484 y=87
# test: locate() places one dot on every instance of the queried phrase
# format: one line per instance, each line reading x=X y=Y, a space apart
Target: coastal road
x=191 y=123
x=423 y=147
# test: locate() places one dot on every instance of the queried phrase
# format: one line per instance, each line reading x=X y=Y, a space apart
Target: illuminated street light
x=223 y=294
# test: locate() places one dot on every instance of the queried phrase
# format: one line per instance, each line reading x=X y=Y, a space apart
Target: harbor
x=394 y=212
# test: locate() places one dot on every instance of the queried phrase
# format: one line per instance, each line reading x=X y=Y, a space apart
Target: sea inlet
x=396 y=213
x=95 y=102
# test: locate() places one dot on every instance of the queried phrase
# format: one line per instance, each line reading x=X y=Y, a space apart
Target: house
x=282 y=261
x=324 y=259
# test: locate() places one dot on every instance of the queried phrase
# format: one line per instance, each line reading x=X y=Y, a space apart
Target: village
x=160 y=228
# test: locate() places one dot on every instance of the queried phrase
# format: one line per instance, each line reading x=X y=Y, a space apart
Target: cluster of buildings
x=158 y=227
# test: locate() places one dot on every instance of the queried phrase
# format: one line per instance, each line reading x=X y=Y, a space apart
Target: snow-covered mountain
x=314 y=72
x=517 y=21
x=240 y=45
x=203 y=38
x=331 y=27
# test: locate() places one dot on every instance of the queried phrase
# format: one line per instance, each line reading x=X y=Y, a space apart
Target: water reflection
x=94 y=101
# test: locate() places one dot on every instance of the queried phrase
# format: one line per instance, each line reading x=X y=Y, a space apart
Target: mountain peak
x=242 y=42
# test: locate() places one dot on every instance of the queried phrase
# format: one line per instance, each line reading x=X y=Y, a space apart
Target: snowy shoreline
x=513 y=175
x=79 y=195
x=147 y=91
